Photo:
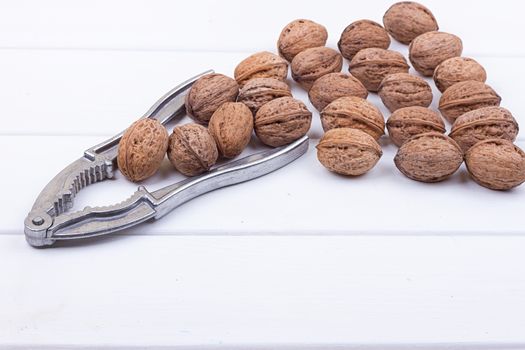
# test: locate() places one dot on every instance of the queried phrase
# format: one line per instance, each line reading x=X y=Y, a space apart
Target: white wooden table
x=297 y=259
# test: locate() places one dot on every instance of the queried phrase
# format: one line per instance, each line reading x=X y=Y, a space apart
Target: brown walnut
x=360 y=35
x=404 y=90
x=429 y=157
x=372 y=65
x=192 y=149
x=282 y=121
x=353 y=112
x=311 y=64
x=208 y=93
x=428 y=50
x=332 y=86
x=259 y=91
x=348 y=151
x=142 y=149
x=407 y=122
x=231 y=126
x=406 y=20
x=300 y=35
x=457 y=69
x=496 y=164
x=261 y=65
x=466 y=96
x=482 y=124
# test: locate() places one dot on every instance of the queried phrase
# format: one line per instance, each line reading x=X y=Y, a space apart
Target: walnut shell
x=313 y=63
x=282 y=121
x=231 y=126
x=407 y=19
x=259 y=91
x=407 y=122
x=261 y=65
x=404 y=90
x=496 y=164
x=192 y=149
x=332 y=86
x=353 y=112
x=429 y=157
x=466 y=96
x=360 y=35
x=428 y=50
x=300 y=35
x=142 y=149
x=458 y=69
x=348 y=151
x=208 y=93
x=482 y=124
x=372 y=65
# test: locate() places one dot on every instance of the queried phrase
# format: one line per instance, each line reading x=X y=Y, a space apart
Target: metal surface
x=49 y=221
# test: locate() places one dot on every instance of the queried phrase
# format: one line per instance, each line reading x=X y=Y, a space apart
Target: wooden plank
x=271 y=292
x=486 y=27
x=302 y=198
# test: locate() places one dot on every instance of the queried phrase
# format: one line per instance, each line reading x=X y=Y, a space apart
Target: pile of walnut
x=259 y=99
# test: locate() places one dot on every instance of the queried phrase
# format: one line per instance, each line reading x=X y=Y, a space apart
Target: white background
x=299 y=258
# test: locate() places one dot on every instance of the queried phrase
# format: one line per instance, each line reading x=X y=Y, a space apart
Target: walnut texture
x=261 y=65
x=231 y=126
x=407 y=122
x=429 y=157
x=142 y=149
x=332 y=86
x=259 y=91
x=372 y=65
x=311 y=64
x=406 y=20
x=404 y=90
x=428 y=50
x=457 y=69
x=192 y=149
x=208 y=93
x=353 y=112
x=482 y=124
x=300 y=35
x=282 y=121
x=496 y=164
x=360 y=35
x=466 y=96
x=347 y=151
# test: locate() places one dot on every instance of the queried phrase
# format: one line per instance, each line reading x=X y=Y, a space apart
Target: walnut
x=496 y=164
x=407 y=19
x=282 y=121
x=457 y=69
x=482 y=124
x=208 y=93
x=353 y=112
x=360 y=35
x=332 y=86
x=404 y=90
x=261 y=65
x=313 y=63
x=429 y=157
x=300 y=35
x=372 y=65
x=428 y=50
x=259 y=91
x=192 y=149
x=231 y=126
x=466 y=96
x=142 y=149
x=348 y=151
x=410 y=121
